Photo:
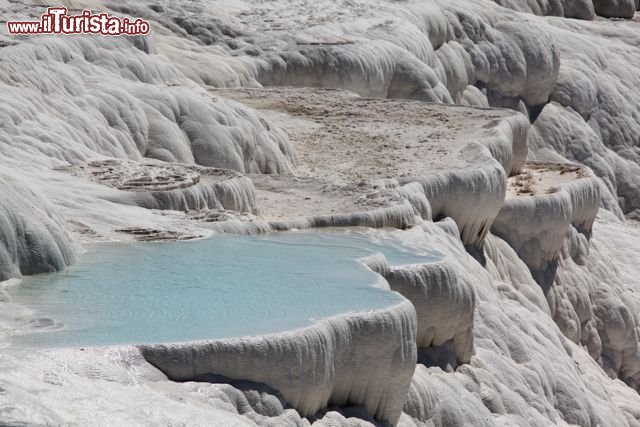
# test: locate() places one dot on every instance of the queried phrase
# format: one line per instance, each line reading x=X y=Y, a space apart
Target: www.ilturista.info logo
x=56 y=21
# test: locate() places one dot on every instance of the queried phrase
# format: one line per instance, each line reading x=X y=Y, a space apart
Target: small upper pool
x=220 y=287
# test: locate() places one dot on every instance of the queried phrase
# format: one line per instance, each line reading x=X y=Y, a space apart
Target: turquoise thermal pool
x=224 y=286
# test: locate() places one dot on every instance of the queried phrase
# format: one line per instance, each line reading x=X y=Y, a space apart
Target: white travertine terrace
x=438 y=180
x=175 y=187
x=329 y=362
x=531 y=319
x=444 y=304
x=536 y=226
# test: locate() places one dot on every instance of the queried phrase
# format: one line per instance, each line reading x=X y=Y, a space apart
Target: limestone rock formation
x=227 y=118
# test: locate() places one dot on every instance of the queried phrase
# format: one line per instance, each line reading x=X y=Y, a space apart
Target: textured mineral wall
x=33 y=239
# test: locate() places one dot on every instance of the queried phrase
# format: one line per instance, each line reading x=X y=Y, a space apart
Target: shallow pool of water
x=224 y=286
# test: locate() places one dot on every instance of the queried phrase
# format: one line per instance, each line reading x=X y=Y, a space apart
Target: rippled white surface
x=220 y=287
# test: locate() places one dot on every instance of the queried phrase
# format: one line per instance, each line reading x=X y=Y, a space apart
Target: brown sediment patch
x=157 y=234
x=128 y=175
x=539 y=178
